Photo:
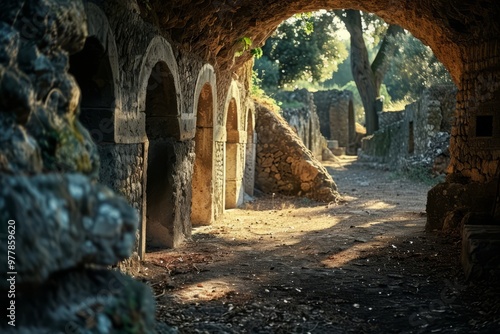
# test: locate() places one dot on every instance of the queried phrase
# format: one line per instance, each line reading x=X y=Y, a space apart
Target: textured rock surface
x=284 y=165
x=74 y=221
x=452 y=196
x=85 y=301
x=480 y=244
x=63 y=220
x=416 y=136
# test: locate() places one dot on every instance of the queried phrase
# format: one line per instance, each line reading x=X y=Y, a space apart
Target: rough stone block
x=481 y=250
x=84 y=301
x=61 y=222
x=338 y=151
x=446 y=197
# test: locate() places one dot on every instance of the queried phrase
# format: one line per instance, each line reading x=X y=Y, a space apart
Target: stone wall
x=413 y=131
x=122 y=169
x=475 y=142
x=303 y=119
x=337 y=119
x=284 y=165
x=153 y=95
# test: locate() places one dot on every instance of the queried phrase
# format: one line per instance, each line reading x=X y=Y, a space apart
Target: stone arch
x=96 y=71
x=160 y=51
x=450 y=33
x=233 y=195
x=162 y=131
x=205 y=105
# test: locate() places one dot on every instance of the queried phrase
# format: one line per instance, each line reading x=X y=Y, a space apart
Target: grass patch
x=419 y=174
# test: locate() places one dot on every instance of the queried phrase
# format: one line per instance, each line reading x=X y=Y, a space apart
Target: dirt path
x=284 y=265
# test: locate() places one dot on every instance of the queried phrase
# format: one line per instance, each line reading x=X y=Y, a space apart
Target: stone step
x=339 y=151
x=481 y=250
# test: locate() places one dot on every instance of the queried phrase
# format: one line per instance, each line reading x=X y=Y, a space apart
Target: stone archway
x=202 y=188
x=162 y=129
x=159 y=106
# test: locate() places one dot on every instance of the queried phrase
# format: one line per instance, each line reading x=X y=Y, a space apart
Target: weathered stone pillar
x=251 y=150
x=475 y=139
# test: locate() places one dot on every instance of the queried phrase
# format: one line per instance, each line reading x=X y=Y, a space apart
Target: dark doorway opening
x=162 y=129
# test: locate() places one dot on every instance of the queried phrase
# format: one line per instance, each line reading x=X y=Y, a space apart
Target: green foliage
x=419 y=174
x=295 y=53
x=267 y=72
x=260 y=95
x=257 y=53
x=374 y=29
x=306 y=52
x=244 y=44
x=414 y=68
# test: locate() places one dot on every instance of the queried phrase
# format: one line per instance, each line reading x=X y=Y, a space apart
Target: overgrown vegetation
x=420 y=174
x=312 y=51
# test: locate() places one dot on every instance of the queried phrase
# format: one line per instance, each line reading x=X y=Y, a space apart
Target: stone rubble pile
x=435 y=158
x=284 y=165
x=304 y=119
x=62 y=228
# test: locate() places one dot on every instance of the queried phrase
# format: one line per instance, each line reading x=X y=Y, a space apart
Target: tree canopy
x=305 y=47
x=307 y=51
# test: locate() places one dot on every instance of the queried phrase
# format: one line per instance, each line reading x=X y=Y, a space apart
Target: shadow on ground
x=285 y=265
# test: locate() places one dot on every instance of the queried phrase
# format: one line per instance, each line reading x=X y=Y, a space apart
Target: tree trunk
x=361 y=69
x=386 y=52
x=368 y=78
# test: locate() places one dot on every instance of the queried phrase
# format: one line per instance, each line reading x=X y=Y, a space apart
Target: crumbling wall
x=304 y=119
x=335 y=110
x=62 y=224
x=284 y=165
x=417 y=135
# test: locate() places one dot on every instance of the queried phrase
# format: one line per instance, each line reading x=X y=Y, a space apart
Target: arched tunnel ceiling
x=211 y=28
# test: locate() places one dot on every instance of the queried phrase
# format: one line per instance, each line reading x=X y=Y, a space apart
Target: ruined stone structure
x=409 y=134
x=284 y=165
x=304 y=120
x=165 y=108
x=337 y=118
x=170 y=140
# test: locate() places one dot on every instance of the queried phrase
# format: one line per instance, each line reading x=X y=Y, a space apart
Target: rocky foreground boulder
x=60 y=229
